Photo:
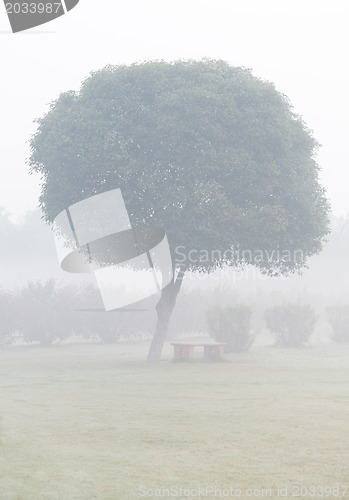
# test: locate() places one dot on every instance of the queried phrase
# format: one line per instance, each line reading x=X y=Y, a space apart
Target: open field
x=95 y=422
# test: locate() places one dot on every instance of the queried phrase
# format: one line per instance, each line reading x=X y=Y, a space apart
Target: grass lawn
x=95 y=422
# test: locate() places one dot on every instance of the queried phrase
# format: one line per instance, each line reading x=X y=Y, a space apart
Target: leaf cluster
x=212 y=154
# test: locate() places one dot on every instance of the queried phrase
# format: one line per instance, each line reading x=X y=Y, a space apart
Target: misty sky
x=299 y=45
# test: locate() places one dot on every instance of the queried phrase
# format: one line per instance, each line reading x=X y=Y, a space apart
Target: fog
x=82 y=415
x=29 y=260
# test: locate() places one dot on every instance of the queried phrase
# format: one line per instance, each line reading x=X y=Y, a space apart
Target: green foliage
x=95 y=325
x=188 y=318
x=338 y=318
x=109 y=327
x=231 y=325
x=46 y=312
x=291 y=324
x=208 y=151
x=7 y=317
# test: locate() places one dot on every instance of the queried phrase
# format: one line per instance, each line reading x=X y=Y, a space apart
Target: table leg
x=177 y=353
x=188 y=352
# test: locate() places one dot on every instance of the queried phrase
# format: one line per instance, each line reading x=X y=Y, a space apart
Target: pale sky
x=300 y=45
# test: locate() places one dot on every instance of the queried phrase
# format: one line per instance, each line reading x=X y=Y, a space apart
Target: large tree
x=211 y=153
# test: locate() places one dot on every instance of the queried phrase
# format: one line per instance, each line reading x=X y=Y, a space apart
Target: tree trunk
x=164 y=310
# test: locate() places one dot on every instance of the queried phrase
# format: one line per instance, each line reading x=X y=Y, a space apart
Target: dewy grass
x=95 y=422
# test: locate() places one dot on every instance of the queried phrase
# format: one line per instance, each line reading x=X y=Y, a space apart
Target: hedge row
x=45 y=312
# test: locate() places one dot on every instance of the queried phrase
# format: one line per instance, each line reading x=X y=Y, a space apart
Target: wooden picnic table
x=183 y=351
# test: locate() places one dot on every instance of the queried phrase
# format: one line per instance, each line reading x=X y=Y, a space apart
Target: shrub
x=7 y=318
x=46 y=312
x=188 y=318
x=108 y=327
x=338 y=318
x=291 y=324
x=231 y=325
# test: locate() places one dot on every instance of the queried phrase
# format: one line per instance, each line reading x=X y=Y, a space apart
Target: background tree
x=8 y=318
x=232 y=325
x=208 y=151
x=45 y=312
x=291 y=324
x=338 y=318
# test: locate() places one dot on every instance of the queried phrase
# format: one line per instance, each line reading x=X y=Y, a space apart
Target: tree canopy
x=213 y=154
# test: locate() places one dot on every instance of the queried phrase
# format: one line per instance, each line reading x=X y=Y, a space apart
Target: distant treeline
x=27 y=252
x=45 y=312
